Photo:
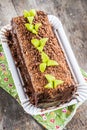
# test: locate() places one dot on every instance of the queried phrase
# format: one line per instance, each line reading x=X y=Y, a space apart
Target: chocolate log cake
x=28 y=60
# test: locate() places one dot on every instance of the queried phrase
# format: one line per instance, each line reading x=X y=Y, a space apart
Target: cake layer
x=20 y=64
x=30 y=59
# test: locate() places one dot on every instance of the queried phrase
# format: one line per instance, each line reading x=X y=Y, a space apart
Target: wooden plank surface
x=73 y=15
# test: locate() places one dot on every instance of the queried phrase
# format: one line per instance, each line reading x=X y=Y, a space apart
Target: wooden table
x=73 y=14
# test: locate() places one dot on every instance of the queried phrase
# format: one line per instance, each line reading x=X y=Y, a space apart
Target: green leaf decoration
x=30 y=19
x=43 y=41
x=57 y=82
x=40 y=49
x=49 y=86
x=32 y=12
x=38 y=44
x=30 y=16
x=52 y=63
x=29 y=26
x=52 y=82
x=34 y=31
x=26 y=13
x=37 y=25
x=42 y=67
x=35 y=42
x=45 y=59
x=49 y=77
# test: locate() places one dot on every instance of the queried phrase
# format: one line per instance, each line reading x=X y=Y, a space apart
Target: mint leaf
x=30 y=19
x=29 y=26
x=44 y=57
x=42 y=67
x=49 y=86
x=49 y=77
x=52 y=82
x=52 y=63
x=26 y=13
x=57 y=82
x=40 y=48
x=43 y=41
x=32 y=12
x=34 y=31
x=35 y=42
x=37 y=25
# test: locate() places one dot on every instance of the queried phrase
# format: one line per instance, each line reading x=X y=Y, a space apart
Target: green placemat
x=55 y=120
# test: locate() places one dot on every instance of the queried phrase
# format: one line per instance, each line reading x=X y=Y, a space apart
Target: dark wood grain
x=20 y=5
x=7 y=11
x=73 y=14
x=13 y=117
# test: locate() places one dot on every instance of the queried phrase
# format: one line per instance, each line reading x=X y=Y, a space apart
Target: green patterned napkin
x=55 y=120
